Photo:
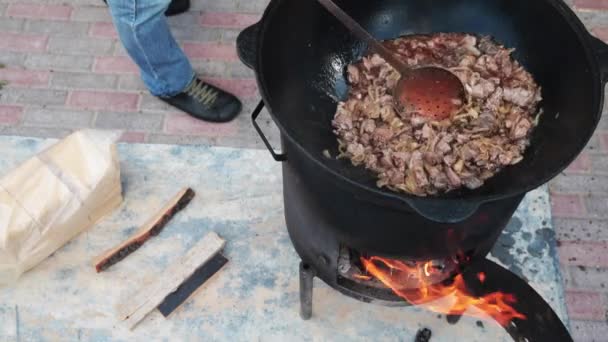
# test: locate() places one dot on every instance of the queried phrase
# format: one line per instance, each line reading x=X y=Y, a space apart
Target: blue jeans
x=144 y=32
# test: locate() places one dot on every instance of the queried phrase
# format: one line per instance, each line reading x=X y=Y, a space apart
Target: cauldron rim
x=471 y=201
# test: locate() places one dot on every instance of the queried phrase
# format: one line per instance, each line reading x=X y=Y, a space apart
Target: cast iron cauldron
x=299 y=53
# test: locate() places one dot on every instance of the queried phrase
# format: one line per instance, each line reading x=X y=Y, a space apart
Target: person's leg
x=176 y=7
x=144 y=32
x=165 y=69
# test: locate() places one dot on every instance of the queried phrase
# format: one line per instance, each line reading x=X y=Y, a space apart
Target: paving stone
x=211 y=50
x=597 y=205
x=131 y=82
x=80 y=46
x=58 y=62
x=591 y=4
x=153 y=104
x=584 y=331
x=586 y=305
x=103 y=30
x=12 y=59
x=567 y=205
x=58 y=28
x=24 y=77
x=181 y=140
x=183 y=124
x=188 y=34
x=214 y=5
x=580 y=184
x=103 y=100
x=91 y=14
x=228 y=20
x=588 y=278
x=60 y=118
x=115 y=65
x=577 y=229
x=82 y=80
x=39 y=11
x=129 y=121
x=42 y=97
x=579 y=253
x=134 y=137
x=21 y=42
x=36 y=132
x=11 y=25
x=10 y=115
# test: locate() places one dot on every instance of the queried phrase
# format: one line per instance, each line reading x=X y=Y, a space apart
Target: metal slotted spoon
x=429 y=91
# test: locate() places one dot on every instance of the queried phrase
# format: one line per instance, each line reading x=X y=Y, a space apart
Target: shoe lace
x=202 y=92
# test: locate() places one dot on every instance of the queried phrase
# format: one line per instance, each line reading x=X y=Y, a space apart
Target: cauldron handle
x=246 y=45
x=601 y=52
x=280 y=157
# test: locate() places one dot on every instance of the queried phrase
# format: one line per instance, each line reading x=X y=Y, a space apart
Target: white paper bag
x=55 y=195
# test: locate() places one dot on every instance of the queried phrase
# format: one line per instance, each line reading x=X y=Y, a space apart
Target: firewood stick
x=150 y=297
x=151 y=228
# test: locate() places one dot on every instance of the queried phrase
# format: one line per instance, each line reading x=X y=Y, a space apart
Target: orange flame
x=363 y=277
x=453 y=299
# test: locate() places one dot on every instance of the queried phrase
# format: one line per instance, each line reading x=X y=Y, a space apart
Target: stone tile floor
x=66 y=70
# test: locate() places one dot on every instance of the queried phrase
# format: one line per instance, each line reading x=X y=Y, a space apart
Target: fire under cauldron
x=335 y=213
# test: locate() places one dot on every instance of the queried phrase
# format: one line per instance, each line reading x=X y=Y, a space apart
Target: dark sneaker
x=175 y=7
x=206 y=102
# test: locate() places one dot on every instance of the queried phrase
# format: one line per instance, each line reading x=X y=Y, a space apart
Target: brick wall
x=66 y=69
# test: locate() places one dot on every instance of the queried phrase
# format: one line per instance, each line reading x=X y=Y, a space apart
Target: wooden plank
x=188 y=287
x=151 y=228
x=149 y=297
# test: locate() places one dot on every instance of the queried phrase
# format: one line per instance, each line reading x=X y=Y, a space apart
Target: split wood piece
x=151 y=228
x=151 y=296
x=188 y=287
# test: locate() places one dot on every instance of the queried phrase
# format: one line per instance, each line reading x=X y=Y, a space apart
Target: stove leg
x=307 y=274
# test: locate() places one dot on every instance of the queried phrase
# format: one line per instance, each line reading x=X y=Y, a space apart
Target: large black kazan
x=299 y=53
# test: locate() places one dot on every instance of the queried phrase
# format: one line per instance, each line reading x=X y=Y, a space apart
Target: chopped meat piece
x=356 y=152
x=353 y=74
x=432 y=158
x=427 y=132
x=486 y=64
x=521 y=129
x=453 y=178
x=382 y=135
x=417 y=168
x=487 y=46
x=401 y=158
x=483 y=89
x=519 y=96
x=469 y=45
x=473 y=183
x=418 y=155
x=443 y=146
x=368 y=126
x=494 y=101
x=386 y=160
x=468 y=61
x=417 y=121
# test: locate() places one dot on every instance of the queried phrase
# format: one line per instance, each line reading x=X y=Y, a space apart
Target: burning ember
x=452 y=299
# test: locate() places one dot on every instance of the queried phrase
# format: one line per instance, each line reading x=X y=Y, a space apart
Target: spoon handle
x=362 y=34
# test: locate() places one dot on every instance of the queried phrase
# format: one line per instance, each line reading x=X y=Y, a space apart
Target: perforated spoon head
x=430 y=91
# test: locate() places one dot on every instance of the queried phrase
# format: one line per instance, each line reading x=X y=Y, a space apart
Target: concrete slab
x=255 y=296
